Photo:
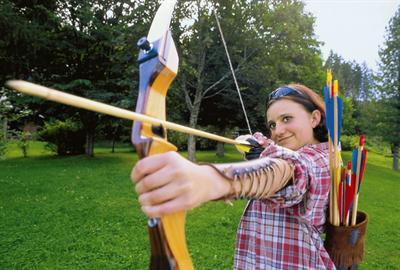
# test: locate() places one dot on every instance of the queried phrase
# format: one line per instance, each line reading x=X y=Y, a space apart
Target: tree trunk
x=114 y=138
x=220 y=149
x=396 y=156
x=89 y=146
x=194 y=114
x=195 y=106
x=89 y=121
x=192 y=148
x=113 y=144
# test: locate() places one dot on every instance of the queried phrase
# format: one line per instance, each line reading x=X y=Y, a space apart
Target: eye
x=272 y=126
x=286 y=119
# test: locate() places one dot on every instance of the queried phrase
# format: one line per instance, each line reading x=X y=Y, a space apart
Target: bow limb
x=158 y=61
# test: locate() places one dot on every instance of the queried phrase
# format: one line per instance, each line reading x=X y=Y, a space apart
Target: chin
x=287 y=145
x=291 y=146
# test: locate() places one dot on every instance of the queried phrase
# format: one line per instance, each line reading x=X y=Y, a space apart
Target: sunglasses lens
x=282 y=92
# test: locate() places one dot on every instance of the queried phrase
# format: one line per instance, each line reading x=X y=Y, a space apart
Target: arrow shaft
x=91 y=105
x=355 y=204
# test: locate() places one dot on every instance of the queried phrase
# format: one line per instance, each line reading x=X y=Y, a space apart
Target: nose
x=279 y=129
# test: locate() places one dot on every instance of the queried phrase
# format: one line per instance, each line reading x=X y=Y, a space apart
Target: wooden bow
x=158 y=66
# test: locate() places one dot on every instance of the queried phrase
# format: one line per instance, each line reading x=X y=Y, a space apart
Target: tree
x=97 y=52
x=270 y=44
x=83 y=47
x=357 y=85
x=389 y=87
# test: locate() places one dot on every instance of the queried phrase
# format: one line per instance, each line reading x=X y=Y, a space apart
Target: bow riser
x=158 y=67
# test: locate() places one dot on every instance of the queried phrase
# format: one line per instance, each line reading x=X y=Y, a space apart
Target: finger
x=155 y=180
x=258 y=135
x=166 y=193
x=170 y=207
x=148 y=165
x=243 y=137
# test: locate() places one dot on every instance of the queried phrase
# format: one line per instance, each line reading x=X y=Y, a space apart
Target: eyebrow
x=280 y=117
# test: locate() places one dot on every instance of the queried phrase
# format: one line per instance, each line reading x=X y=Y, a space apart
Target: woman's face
x=291 y=125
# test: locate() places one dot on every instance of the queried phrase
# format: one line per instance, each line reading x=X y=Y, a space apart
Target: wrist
x=220 y=186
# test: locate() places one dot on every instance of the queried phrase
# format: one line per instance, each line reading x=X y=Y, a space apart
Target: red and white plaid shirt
x=283 y=232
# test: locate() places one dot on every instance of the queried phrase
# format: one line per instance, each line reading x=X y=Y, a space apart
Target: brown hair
x=311 y=101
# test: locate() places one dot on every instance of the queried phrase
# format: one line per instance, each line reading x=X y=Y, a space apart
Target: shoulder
x=317 y=156
x=315 y=151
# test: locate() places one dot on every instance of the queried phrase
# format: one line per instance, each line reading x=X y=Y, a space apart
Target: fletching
x=354 y=161
x=330 y=113
x=363 y=162
x=354 y=158
x=350 y=192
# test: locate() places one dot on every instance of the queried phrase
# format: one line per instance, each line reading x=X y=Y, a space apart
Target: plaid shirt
x=283 y=232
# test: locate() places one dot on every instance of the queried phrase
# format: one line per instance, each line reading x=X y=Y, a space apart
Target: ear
x=315 y=118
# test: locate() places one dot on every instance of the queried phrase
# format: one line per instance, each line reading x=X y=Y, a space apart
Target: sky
x=354 y=29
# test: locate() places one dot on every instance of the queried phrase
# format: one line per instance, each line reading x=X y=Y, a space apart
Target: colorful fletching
x=329 y=105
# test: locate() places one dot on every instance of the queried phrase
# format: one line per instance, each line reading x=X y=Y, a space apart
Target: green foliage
x=348 y=142
x=270 y=44
x=88 y=48
x=372 y=143
x=389 y=87
x=63 y=137
x=3 y=145
x=357 y=85
x=378 y=145
x=348 y=121
x=207 y=144
x=23 y=138
x=178 y=139
x=355 y=81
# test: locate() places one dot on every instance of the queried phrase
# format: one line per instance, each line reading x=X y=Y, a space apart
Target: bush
x=178 y=139
x=349 y=142
x=3 y=145
x=372 y=143
x=378 y=145
x=63 y=137
x=22 y=138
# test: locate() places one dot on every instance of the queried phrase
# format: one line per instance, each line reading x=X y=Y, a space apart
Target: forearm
x=256 y=179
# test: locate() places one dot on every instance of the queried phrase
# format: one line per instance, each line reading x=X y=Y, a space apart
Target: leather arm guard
x=255 y=179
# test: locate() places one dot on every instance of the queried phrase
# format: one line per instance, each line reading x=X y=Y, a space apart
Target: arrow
x=91 y=105
x=334 y=111
x=359 y=158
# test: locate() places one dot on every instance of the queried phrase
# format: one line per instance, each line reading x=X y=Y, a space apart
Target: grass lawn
x=81 y=213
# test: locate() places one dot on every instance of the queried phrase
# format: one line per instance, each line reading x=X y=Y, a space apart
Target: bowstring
x=233 y=72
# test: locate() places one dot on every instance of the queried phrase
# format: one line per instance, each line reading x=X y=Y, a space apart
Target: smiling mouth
x=284 y=139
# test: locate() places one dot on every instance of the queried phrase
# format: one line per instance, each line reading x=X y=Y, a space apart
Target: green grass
x=82 y=213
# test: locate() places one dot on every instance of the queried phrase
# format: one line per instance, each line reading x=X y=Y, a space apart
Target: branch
x=228 y=73
x=189 y=102
x=214 y=94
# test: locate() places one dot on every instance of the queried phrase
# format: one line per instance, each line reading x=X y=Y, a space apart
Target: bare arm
x=169 y=183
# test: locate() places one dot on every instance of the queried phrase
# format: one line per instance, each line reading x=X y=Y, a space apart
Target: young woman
x=287 y=186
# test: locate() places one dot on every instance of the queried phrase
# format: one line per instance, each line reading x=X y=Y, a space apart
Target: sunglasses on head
x=283 y=92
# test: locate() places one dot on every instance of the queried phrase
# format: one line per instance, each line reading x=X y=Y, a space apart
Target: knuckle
x=147 y=200
x=133 y=177
x=174 y=173
x=162 y=211
x=170 y=156
x=138 y=188
x=139 y=167
x=188 y=186
x=146 y=183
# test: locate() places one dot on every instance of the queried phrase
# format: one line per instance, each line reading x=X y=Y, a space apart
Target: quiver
x=345 y=244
